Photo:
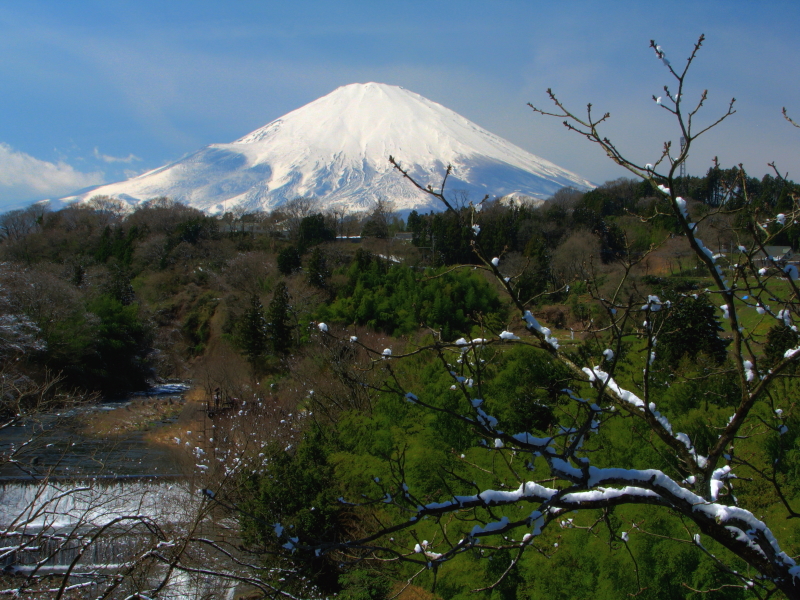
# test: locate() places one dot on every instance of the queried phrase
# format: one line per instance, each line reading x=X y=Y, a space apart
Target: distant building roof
x=777 y=253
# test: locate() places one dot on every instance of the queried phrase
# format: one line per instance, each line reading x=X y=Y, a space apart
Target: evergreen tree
x=78 y=275
x=313 y=230
x=289 y=260
x=116 y=362
x=376 y=229
x=299 y=494
x=317 y=269
x=689 y=328
x=118 y=284
x=253 y=331
x=418 y=226
x=104 y=248
x=536 y=275
x=381 y=221
x=279 y=327
x=612 y=241
x=450 y=242
x=780 y=338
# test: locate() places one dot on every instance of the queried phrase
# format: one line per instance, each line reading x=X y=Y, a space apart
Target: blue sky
x=95 y=92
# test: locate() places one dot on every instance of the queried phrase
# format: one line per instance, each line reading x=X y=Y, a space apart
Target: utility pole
x=683 y=164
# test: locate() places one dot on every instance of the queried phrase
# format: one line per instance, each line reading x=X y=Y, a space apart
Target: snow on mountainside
x=336 y=149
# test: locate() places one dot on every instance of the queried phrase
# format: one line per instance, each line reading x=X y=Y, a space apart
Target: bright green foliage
x=298 y=492
x=364 y=584
x=582 y=564
x=576 y=563
x=783 y=445
x=398 y=436
x=398 y=300
x=699 y=405
x=439 y=456
x=526 y=390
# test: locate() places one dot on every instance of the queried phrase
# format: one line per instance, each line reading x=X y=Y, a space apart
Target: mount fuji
x=336 y=149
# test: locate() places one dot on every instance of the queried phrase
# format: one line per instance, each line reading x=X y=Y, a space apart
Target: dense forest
x=113 y=300
x=119 y=298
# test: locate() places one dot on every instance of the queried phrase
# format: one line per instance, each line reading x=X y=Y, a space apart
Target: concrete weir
x=96 y=530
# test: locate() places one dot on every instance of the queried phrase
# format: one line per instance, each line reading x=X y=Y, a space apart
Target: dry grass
x=141 y=414
x=403 y=591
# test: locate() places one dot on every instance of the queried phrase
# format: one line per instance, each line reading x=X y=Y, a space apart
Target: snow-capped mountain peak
x=336 y=149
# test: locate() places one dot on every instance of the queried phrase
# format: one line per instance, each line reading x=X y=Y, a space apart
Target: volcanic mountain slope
x=336 y=149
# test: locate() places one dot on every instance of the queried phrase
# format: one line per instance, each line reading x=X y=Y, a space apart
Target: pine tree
x=253 y=331
x=289 y=260
x=313 y=231
x=690 y=327
x=317 y=269
x=780 y=338
x=279 y=327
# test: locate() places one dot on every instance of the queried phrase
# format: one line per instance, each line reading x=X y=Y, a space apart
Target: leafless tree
x=573 y=258
x=17 y=224
x=697 y=486
x=112 y=210
x=295 y=210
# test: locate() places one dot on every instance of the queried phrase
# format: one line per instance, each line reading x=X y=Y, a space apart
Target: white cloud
x=114 y=159
x=25 y=178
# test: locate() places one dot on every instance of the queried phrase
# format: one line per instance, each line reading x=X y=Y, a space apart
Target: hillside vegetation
x=113 y=300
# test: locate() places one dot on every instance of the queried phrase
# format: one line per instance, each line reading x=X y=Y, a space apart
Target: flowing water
x=123 y=493
x=55 y=445
x=96 y=529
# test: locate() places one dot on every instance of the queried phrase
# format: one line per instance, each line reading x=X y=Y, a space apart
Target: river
x=121 y=491
x=57 y=445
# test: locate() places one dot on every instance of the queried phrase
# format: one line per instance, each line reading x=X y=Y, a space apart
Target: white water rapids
x=58 y=504
x=46 y=526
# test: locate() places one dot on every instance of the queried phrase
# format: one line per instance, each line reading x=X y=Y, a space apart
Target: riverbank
x=131 y=438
